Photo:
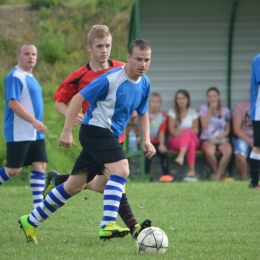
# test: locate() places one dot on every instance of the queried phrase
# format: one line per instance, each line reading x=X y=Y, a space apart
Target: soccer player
x=254 y=161
x=99 y=44
x=113 y=97
x=23 y=126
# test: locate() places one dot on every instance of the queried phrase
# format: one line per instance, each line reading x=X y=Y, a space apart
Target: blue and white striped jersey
x=23 y=87
x=255 y=89
x=113 y=97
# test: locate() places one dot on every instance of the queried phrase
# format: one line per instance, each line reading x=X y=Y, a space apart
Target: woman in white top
x=215 y=123
x=183 y=126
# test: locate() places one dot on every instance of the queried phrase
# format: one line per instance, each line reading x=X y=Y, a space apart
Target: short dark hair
x=140 y=43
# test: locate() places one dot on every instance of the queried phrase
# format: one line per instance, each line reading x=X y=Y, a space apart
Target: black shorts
x=256 y=133
x=25 y=153
x=99 y=146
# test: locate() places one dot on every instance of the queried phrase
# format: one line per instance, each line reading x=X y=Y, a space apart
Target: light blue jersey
x=113 y=97
x=23 y=87
x=255 y=89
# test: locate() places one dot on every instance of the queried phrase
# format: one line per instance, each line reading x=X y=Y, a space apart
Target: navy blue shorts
x=25 y=153
x=99 y=146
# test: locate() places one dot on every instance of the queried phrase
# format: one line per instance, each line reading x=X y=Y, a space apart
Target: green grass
x=204 y=220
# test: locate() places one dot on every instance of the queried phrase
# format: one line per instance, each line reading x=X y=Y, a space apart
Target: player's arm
x=62 y=109
x=20 y=111
x=63 y=95
x=144 y=129
x=66 y=138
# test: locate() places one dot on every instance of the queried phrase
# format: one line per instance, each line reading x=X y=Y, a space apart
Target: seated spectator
x=215 y=123
x=158 y=127
x=243 y=142
x=183 y=126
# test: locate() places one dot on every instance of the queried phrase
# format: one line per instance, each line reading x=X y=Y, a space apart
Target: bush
x=37 y=4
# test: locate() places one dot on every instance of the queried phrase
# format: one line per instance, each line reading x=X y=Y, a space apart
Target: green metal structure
x=134 y=33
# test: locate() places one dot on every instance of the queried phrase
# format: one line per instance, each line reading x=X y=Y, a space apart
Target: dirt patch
x=18 y=21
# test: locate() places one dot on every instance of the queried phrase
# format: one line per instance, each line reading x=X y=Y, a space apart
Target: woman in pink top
x=243 y=131
x=183 y=126
x=215 y=123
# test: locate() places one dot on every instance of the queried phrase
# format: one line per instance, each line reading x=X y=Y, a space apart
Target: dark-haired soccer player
x=104 y=122
x=99 y=44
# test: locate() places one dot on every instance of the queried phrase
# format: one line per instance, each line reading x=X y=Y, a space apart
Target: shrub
x=37 y=4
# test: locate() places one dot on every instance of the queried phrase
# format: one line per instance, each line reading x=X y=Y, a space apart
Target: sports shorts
x=99 y=146
x=256 y=133
x=25 y=153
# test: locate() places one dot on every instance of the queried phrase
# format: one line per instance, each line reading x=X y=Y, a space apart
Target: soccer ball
x=152 y=240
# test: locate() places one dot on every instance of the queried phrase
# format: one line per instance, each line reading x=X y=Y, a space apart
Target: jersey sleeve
x=66 y=90
x=97 y=90
x=256 y=68
x=143 y=107
x=13 y=88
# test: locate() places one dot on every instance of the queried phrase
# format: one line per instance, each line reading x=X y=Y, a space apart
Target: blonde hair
x=98 y=31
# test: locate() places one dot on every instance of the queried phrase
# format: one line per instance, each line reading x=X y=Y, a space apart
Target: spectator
x=215 y=123
x=183 y=126
x=243 y=143
x=158 y=126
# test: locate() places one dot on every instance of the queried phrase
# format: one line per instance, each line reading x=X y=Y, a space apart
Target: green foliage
x=38 y=4
x=60 y=35
x=204 y=221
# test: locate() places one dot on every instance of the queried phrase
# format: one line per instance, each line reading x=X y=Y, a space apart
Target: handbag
x=217 y=141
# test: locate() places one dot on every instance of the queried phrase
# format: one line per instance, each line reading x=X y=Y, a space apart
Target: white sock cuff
x=255 y=156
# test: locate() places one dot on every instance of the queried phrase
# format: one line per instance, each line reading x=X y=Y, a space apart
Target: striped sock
x=112 y=198
x=37 y=180
x=3 y=175
x=53 y=201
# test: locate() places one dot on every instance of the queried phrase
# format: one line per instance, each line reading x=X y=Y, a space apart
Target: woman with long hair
x=215 y=123
x=183 y=126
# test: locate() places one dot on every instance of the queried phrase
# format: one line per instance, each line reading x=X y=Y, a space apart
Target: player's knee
x=13 y=171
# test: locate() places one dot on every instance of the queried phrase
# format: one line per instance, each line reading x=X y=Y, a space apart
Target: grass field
x=204 y=220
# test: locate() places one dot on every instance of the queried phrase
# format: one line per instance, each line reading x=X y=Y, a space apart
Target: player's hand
x=148 y=149
x=66 y=139
x=39 y=126
x=134 y=117
x=78 y=119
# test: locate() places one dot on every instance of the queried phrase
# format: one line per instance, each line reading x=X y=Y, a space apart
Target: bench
x=199 y=154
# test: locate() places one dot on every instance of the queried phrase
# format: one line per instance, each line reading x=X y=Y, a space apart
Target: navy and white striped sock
x=3 y=175
x=56 y=198
x=112 y=198
x=37 y=181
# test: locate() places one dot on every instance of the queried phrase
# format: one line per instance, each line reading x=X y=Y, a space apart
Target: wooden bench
x=199 y=154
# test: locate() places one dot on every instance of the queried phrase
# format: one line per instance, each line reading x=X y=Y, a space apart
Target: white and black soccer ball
x=152 y=240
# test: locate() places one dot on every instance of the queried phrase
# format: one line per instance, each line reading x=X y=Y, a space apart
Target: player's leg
x=126 y=213
x=37 y=157
x=112 y=198
x=37 y=180
x=56 y=198
x=15 y=156
x=254 y=161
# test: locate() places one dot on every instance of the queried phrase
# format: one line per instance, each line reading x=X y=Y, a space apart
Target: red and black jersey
x=80 y=79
